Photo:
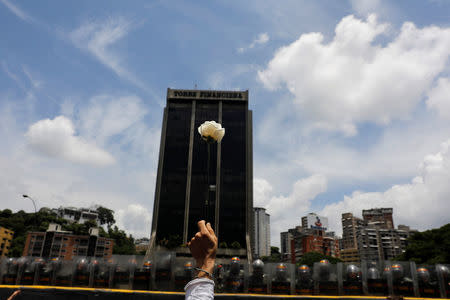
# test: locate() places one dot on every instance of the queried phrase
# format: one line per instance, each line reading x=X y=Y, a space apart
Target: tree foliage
x=123 y=244
x=105 y=216
x=429 y=247
x=275 y=255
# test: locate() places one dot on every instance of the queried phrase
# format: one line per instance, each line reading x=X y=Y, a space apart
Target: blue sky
x=350 y=101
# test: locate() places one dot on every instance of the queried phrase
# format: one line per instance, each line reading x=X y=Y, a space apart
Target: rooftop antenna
x=195 y=86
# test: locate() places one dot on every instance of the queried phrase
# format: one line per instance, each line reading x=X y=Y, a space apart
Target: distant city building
x=312 y=236
x=6 y=237
x=285 y=244
x=314 y=221
x=141 y=245
x=381 y=217
x=350 y=255
x=57 y=243
x=262 y=232
x=76 y=215
x=350 y=227
x=374 y=237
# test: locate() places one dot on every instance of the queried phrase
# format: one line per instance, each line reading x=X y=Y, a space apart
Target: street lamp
x=35 y=210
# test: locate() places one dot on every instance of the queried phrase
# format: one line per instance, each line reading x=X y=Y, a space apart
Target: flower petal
x=219 y=134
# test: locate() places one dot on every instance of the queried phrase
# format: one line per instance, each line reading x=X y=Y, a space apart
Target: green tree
x=223 y=245
x=429 y=247
x=235 y=245
x=275 y=255
x=274 y=250
x=106 y=216
x=123 y=244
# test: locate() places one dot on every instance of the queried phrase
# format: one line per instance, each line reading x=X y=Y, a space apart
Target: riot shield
x=377 y=276
x=82 y=273
x=325 y=278
x=26 y=271
x=304 y=283
x=183 y=272
x=234 y=276
x=122 y=268
x=427 y=281
x=43 y=273
x=443 y=274
x=219 y=276
x=99 y=272
x=164 y=262
x=351 y=277
x=10 y=268
x=402 y=279
x=142 y=276
x=257 y=280
x=280 y=278
x=64 y=272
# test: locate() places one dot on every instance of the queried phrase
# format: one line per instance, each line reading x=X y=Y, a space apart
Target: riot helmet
x=353 y=273
x=11 y=265
x=423 y=275
x=147 y=265
x=82 y=264
x=188 y=269
x=397 y=272
x=304 y=273
x=235 y=265
x=444 y=271
x=281 y=271
x=258 y=266
x=324 y=270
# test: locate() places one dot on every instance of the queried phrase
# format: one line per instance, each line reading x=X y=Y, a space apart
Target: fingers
x=211 y=231
x=202 y=227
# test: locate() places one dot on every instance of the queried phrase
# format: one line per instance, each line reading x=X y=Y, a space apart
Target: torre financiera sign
x=190 y=171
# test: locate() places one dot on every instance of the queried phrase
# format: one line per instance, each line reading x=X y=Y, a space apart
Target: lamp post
x=35 y=210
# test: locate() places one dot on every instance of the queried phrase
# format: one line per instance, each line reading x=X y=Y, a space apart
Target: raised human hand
x=203 y=247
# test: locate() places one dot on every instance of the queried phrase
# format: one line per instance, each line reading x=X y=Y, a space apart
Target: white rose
x=210 y=130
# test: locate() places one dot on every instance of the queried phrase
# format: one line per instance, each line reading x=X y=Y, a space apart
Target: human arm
x=203 y=248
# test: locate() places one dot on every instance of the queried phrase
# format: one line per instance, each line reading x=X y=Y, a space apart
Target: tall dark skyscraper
x=181 y=185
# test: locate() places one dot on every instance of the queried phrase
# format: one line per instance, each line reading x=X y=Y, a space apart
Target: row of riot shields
x=377 y=279
x=166 y=272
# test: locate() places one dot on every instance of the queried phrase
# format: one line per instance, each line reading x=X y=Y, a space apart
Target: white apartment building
x=262 y=232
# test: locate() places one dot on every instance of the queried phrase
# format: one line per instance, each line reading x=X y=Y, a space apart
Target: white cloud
x=56 y=138
x=364 y=7
x=262 y=191
x=13 y=76
x=261 y=39
x=422 y=203
x=97 y=38
x=108 y=115
x=136 y=219
x=286 y=211
x=17 y=11
x=353 y=78
x=34 y=82
x=439 y=98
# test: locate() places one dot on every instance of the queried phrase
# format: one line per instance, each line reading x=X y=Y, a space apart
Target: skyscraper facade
x=262 y=232
x=182 y=180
